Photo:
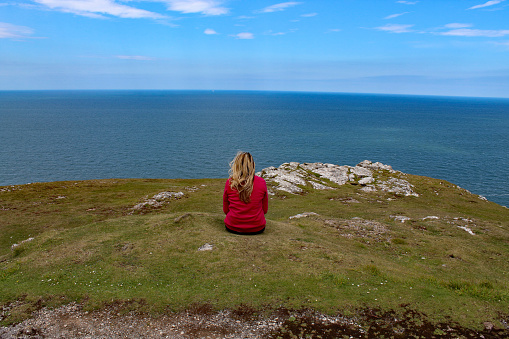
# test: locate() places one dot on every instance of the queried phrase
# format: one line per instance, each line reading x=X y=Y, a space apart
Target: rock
x=318 y=186
x=467 y=230
x=431 y=217
x=376 y=166
x=303 y=215
x=167 y=195
x=158 y=200
x=206 y=247
x=285 y=176
x=335 y=173
x=368 y=189
x=292 y=177
x=361 y=172
x=366 y=180
x=398 y=186
x=400 y=218
x=22 y=242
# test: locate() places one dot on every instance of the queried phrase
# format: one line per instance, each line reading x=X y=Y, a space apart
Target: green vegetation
x=90 y=245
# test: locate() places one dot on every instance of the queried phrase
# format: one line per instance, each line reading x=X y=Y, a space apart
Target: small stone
x=206 y=247
x=302 y=215
x=488 y=325
x=400 y=218
x=431 y=217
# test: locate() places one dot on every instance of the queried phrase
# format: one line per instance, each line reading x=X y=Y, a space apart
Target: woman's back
x=245 y=213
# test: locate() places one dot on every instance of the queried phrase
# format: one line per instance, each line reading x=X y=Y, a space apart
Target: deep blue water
x=74 y=135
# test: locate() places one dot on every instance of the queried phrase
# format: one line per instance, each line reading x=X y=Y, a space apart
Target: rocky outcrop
x=293 y=177
x=158 y=200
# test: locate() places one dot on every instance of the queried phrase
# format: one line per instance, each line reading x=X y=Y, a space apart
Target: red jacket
x=242 y=217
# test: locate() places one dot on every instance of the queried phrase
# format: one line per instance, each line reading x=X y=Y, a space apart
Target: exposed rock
x=368 y=189
x=206 y=247
x=400 y=218
x=22 y=242
x=293 y=177
x=286 y=177
x=303 y=215
x=167 y=195
x=376 y=166
x=366 y=180
x=398 y=186
x=431 y=217
x=158 y=200
x=467 y=229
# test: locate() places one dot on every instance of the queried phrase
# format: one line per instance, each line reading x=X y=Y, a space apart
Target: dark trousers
x=244 y=233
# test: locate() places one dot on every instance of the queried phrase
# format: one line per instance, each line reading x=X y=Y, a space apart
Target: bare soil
x=201 y=321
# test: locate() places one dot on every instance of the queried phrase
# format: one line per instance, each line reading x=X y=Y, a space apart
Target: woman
x=245 y=198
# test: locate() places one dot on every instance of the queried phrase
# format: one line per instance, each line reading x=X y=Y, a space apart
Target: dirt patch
x=202 y=321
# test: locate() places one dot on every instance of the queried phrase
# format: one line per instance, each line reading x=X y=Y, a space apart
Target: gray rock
x=302 y=215
x=292 y=177
x=400 y=218
x=366 y=180
x=431 y=217
x=158 y=200
x=206 y=247
x=368 y=189
x=21 y=243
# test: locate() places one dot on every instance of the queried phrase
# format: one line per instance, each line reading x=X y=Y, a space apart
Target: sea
x=78 y=135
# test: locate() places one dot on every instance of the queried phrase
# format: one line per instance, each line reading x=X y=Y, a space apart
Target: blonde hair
x=242 y=171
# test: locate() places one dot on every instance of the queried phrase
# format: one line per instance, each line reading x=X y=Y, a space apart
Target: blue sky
x=430 y=47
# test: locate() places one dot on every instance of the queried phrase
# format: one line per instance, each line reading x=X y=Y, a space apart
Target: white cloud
x=392 y=16
x=333 y=30
x=210 y=31
x=279 y=7
x=135 y=57
x=407 y=2
x=208 y=7
x=98 y=8
x=244 y=36
x=309 y=15
x=468 y=32
x=9 y=31
x=487 y=4
x=395 y=28
x=458 y=25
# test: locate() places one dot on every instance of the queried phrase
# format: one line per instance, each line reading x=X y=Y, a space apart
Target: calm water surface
x=74 y=135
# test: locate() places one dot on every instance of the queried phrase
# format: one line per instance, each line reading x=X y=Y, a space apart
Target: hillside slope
x=338 y=239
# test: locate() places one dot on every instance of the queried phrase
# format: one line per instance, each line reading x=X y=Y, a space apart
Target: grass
x=90 y=246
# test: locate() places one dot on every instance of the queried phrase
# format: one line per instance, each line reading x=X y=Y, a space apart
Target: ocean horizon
x=98 y=134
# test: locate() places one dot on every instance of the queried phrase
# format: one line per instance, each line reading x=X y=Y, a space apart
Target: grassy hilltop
x=442 y=254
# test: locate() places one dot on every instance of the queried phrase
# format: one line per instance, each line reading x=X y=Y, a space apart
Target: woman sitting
x=245 y=198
